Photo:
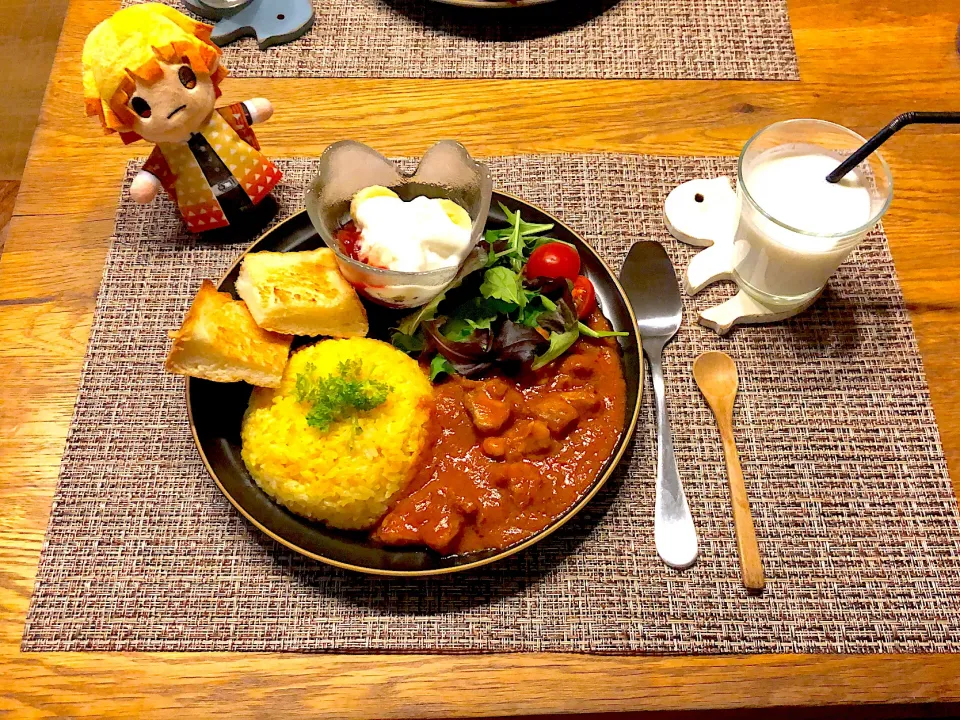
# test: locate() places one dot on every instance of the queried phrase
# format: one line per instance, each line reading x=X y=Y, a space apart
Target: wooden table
x=861 y=63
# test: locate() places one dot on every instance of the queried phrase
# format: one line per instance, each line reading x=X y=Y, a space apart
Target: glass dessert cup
x=446 y=170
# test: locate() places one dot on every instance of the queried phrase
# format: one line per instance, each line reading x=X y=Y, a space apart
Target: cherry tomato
x=553 y=260
x=584 y=296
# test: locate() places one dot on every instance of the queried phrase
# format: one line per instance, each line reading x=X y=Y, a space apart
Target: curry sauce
x=509 y=454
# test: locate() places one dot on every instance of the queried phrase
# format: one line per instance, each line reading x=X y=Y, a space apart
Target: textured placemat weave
x=686 y=39
x=856 y=519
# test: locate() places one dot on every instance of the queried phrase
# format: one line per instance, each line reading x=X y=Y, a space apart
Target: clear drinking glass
x=795 y=229
x=446 y=170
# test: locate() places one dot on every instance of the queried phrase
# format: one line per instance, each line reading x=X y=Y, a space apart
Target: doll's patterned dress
x=218 y=174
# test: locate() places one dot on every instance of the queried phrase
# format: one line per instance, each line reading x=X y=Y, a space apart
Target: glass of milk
x=794 y=227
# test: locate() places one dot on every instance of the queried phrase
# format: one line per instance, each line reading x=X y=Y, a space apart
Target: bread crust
x=220 y=341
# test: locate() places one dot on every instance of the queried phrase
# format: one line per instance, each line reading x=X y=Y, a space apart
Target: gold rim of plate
x=571 y=512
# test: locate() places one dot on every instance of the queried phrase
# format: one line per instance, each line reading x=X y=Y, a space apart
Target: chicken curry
x=509 y=454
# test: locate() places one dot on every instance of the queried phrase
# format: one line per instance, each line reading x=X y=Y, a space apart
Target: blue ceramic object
x=273 y=22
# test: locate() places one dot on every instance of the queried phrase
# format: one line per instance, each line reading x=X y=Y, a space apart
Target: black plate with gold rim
x=494 y=4
x=216 y=411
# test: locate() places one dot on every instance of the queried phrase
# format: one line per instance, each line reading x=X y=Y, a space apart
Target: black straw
x=900 y=121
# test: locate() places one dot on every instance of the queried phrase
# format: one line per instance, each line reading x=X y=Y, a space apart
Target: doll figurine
x=152 y=73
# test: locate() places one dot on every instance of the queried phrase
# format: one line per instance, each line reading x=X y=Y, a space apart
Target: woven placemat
x=856 y=519
x=683 y=39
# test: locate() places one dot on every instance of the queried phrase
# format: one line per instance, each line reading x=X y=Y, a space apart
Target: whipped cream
x=413 y=236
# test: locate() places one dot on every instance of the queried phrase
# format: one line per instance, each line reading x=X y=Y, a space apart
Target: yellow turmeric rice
x=348 y=474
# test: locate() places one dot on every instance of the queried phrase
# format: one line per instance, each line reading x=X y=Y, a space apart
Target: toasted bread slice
x=301 y=293
x=220 y=341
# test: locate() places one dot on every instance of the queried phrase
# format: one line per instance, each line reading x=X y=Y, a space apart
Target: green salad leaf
x=547 y=303
x=457 y=329
x=525 y=228
x=408 y=343
x=498 y=314
x=411 y=323
x=475 y=260
x=519 y=240
x=530 y=313
x=500 y=283
x=333 y=398
x=585 y=329
x=590 y=332
x=482 y=324
x=560 y=342
x=481 y=312
x=440 y=365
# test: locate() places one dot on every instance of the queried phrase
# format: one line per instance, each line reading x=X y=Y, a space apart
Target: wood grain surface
x=8 y=196
x=28 y=42
x=861 y=63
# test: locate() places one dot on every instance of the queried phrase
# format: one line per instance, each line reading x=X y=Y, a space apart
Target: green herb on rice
x=345 y=395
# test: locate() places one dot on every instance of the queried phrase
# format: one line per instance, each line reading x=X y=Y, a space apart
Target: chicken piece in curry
x=511 y=454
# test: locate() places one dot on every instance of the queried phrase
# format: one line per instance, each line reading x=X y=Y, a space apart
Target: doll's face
x=174 y=106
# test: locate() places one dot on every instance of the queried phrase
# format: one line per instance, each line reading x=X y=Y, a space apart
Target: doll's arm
x=259 y=110
x=144 y=187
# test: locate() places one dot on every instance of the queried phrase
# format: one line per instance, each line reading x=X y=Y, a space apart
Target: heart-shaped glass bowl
x=446 y=170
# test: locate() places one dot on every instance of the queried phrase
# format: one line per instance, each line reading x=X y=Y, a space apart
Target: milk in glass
x=795 y=228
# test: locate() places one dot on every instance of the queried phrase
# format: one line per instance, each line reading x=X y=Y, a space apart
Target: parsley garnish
x=333 y=398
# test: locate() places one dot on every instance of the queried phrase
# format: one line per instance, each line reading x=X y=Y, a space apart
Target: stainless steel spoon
x=651 y=283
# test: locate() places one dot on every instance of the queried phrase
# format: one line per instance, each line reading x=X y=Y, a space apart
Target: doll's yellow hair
x=131 y=44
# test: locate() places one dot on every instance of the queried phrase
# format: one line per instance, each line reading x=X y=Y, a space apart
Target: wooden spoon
x=716 y=376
